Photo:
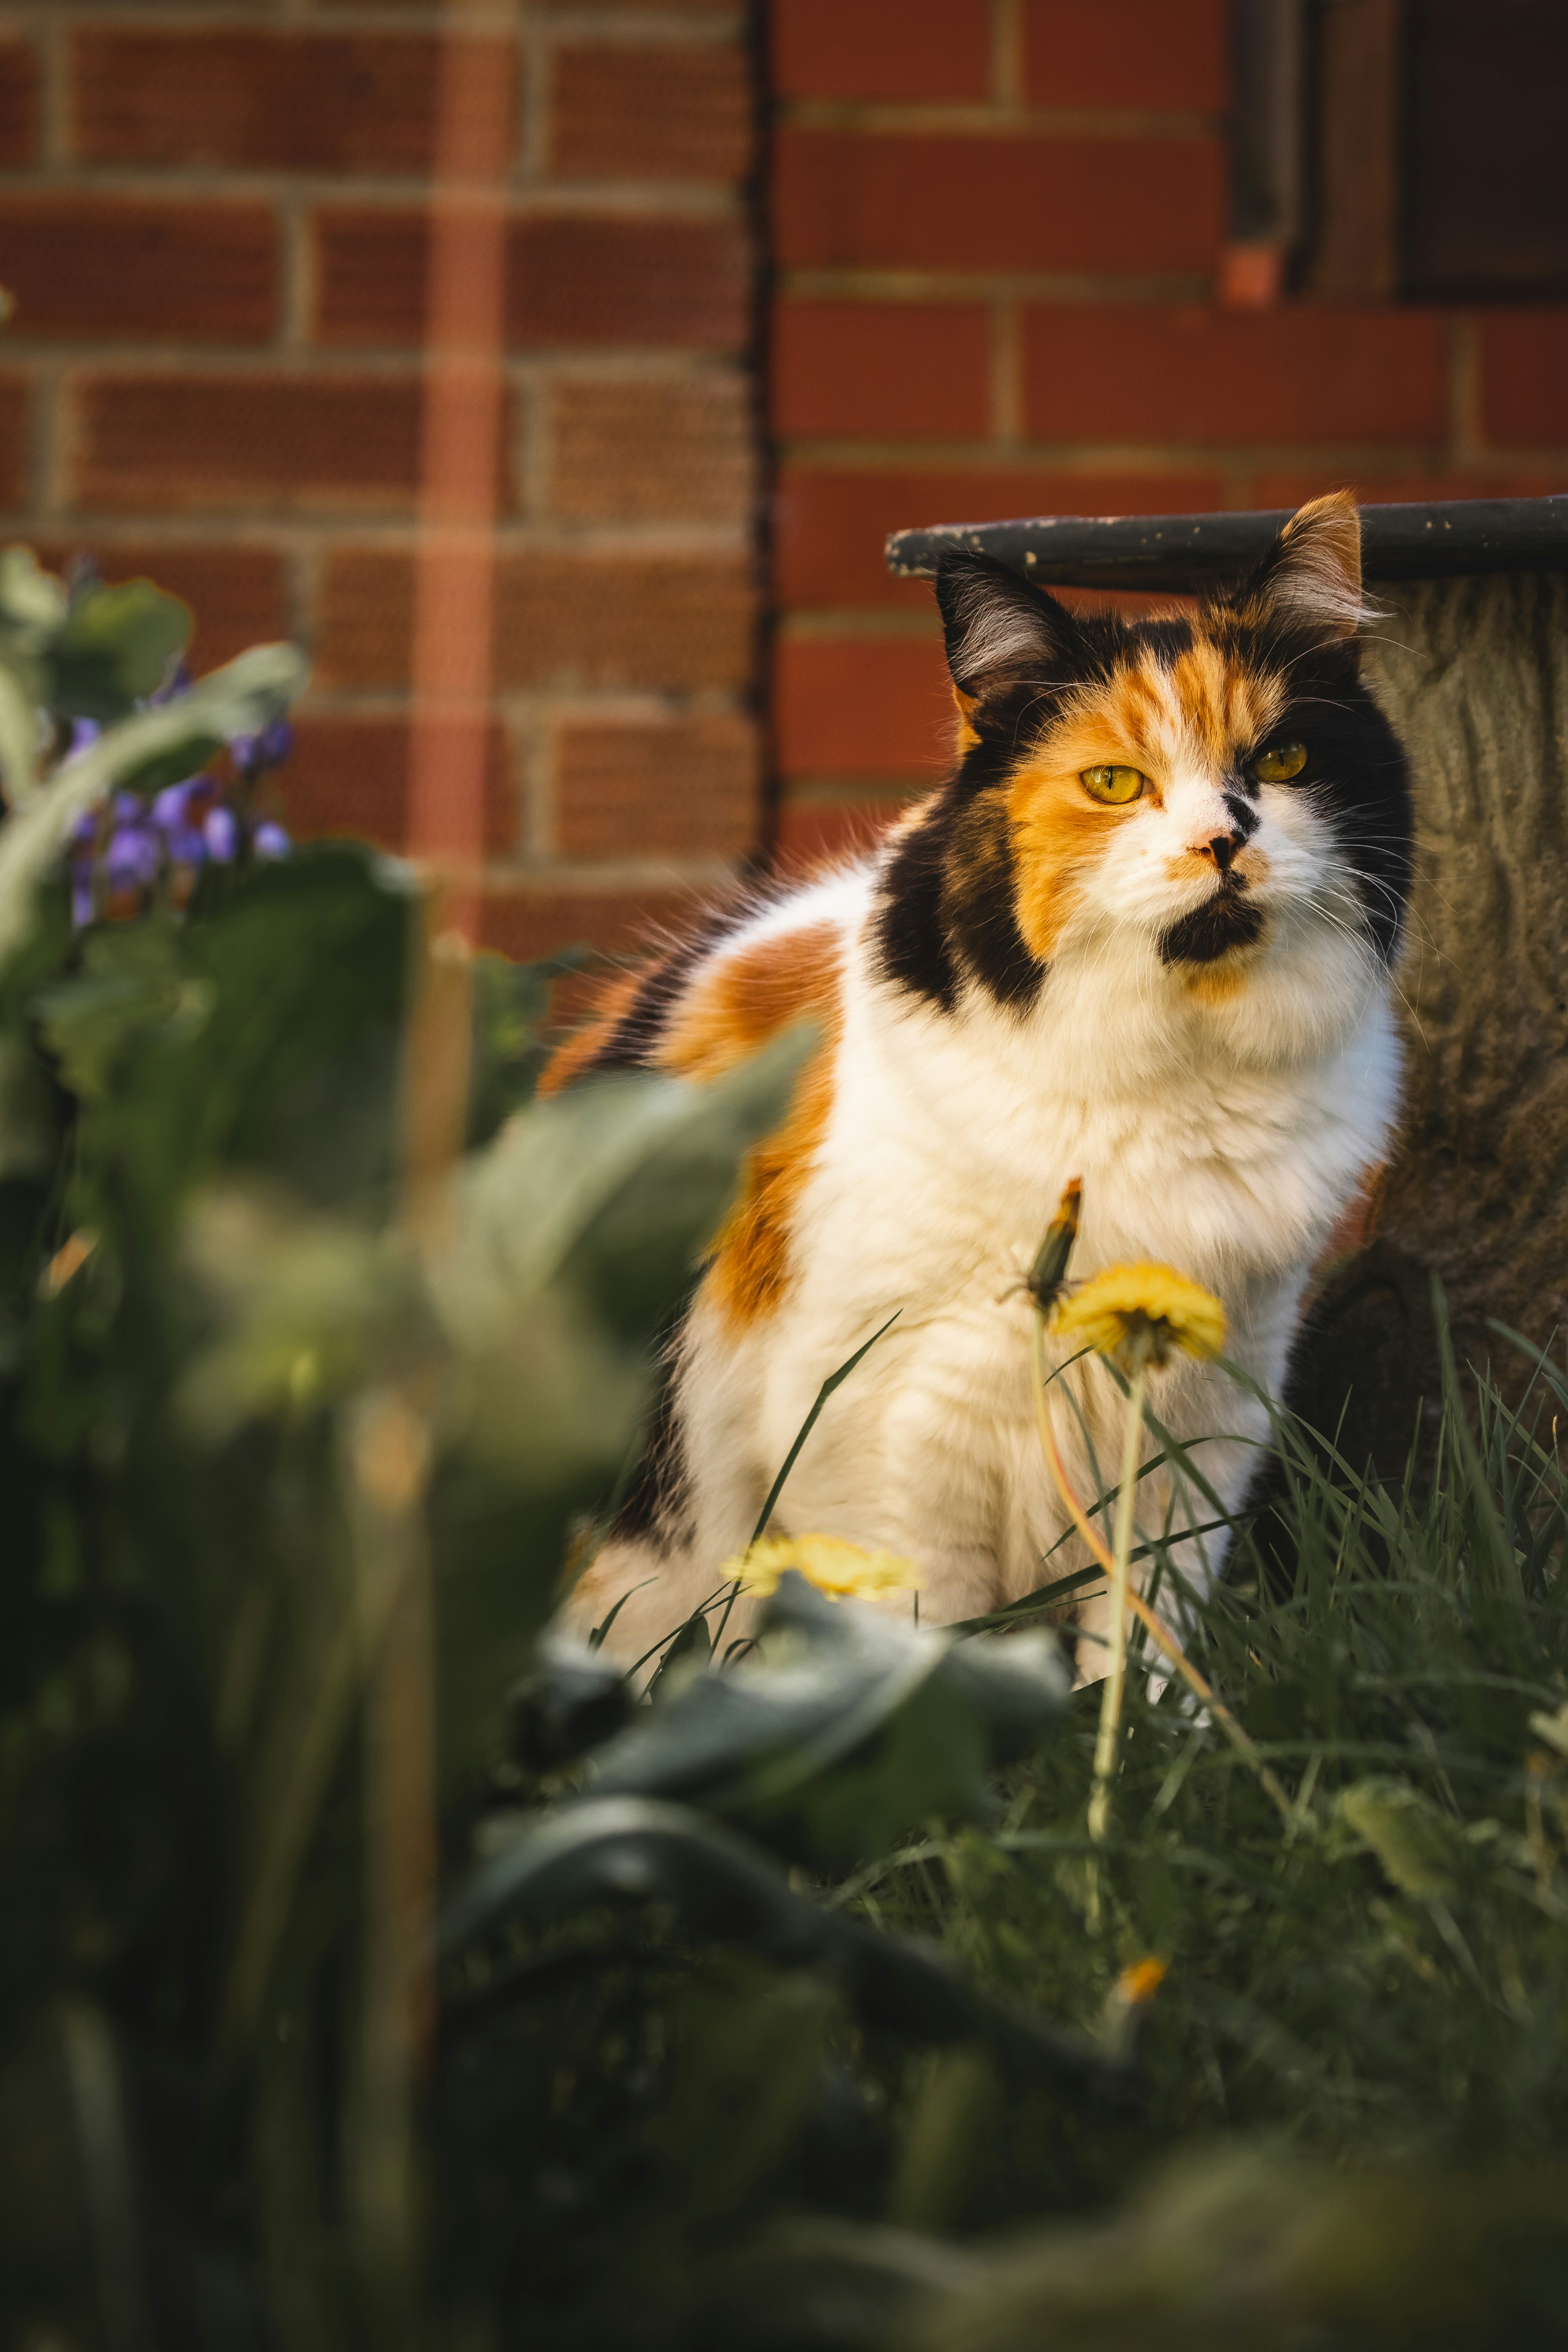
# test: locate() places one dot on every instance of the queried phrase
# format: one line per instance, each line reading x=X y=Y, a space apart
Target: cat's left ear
x=1001 y=632
x=1311 y=577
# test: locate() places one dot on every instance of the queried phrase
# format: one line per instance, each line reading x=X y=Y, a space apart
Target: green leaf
x=613 y=1187
x=115 y=648
x=1420 y=1848
x=636 y=1849
x=19 y=718
x=29 y=1135
x=572 y=1699
x=312 y=1309
x=185 y=757
x=690 y=1651
x=33 y=603
x=133 y=978
x=926 y=1718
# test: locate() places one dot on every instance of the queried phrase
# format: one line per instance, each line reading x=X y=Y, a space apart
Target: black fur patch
x=949 y=912
x=636 y=1037
x=1224 y=922
x=1245 y=818
x=1357 y=774
x=658 y=1499
x=912 y=947
x=1166 y=640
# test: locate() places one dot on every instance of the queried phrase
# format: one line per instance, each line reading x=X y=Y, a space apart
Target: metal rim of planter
x=1187 y=554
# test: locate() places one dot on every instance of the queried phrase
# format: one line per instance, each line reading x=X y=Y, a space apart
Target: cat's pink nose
x=1220 y=849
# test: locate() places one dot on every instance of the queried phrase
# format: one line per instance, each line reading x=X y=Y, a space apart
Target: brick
x=348 y=778
x=322 y=444
x=585 y=279
x=1125 y=53
x=625 y=112
x=1293 y=486
x=863 y=706
x=567 y=619
x=666 y=449
x=883 y=368
x=881 y=48
x=829 y=525
x=727 y=9
x=20 y=103
x=527 y=922
x=576 y=620
x=845 y=201
x=812 y=830
x=120 y=266
x=1215 y=376
x=239 y=595
x=1525 y=378
x=15 y=439
x=679 y=788
x=604 y=281
x=260 y=100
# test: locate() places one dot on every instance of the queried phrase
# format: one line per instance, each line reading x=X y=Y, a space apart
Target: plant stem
x=1155 y=1626
x=1106 y=1743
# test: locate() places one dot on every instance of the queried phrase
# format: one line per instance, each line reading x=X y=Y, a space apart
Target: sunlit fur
x=1183 y=1000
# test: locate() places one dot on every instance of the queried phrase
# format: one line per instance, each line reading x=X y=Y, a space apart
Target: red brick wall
x=997 y=230
x=212 y=218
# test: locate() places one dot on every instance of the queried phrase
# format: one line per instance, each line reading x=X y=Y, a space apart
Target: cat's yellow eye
x=1115 y=785
x=1279 y=763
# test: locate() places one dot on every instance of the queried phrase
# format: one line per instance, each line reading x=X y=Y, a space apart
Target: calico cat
x=1142 y=937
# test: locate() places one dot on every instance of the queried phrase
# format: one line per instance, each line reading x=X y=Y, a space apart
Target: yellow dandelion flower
x=1143 y=1313
x=1142 y=1981
x=843 y=1570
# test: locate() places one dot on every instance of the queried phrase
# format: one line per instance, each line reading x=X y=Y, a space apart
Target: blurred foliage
x=765 y=2004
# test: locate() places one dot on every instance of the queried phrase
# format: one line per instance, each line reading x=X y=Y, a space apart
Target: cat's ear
x=1001 y=632
x=1311 y=577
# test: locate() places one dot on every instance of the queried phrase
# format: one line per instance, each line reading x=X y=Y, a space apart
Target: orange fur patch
x=748 y=1277
x=569 y=1061
x=736 y=1004
x=741 y=1000
x=733 y=1004
x=1216 y=983
x=1145 y=716
x=1058 y=830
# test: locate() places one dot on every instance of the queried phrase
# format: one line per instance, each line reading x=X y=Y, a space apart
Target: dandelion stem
x=1155 y=1626
x=1109 y=1734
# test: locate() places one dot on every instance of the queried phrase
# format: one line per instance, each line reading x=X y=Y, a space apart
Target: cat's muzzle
x=1221 y=925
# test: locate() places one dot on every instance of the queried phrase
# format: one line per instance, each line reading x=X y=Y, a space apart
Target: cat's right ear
x=1001 y=632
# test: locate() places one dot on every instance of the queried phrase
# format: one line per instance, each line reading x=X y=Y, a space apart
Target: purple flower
x=269 y=840
x=133 y=857
x=221 y=832
x=251 y=753
x=84 y=733
x=180 y=811
x=82 y=908
x=86 y=827
x=171 y=806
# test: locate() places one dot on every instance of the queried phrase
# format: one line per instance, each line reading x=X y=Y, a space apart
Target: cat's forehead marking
x=1169 y=703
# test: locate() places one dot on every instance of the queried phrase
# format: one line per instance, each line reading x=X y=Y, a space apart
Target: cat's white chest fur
x=948 y=1146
